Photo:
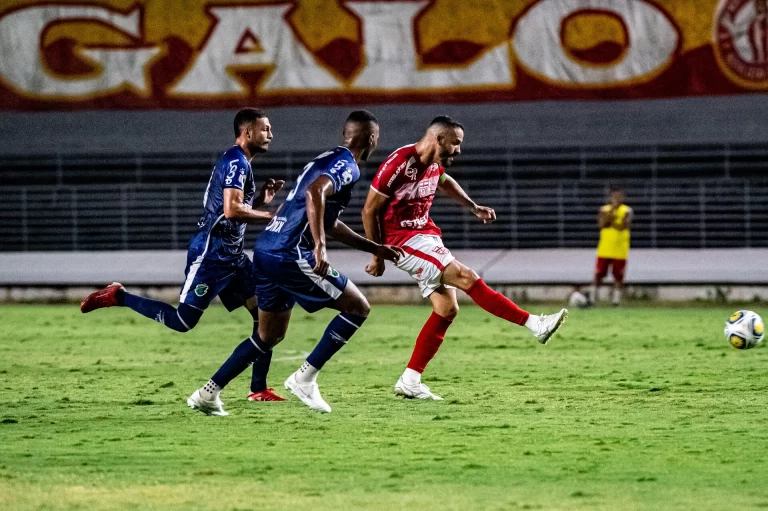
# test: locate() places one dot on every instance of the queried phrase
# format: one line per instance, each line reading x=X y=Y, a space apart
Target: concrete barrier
x=498 y=267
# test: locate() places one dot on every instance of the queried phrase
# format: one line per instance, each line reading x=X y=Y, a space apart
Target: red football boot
x=265 y=395
x=106 y=297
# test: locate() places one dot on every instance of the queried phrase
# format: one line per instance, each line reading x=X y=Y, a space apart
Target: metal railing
x=683 y=197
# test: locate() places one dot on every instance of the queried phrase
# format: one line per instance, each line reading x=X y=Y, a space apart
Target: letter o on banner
x=652 y=43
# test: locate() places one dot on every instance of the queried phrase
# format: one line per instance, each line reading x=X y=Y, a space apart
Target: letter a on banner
x=249 y=38
x=21 y=65
x=390 y=53
x=651 y=42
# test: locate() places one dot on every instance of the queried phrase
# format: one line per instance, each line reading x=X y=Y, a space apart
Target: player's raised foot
x=414 y=391
x=208 y=407
x=549 y=324
x=309 y=393
x=265 y=395
x=106 y=297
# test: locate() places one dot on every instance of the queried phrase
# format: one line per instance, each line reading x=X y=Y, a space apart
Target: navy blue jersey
x=288 y=234
x=218 y=237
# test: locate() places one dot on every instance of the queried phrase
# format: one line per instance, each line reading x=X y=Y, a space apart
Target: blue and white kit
x=216 y=263
x=283 y=256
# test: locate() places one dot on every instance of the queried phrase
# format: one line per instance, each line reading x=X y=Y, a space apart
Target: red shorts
x=619 y=265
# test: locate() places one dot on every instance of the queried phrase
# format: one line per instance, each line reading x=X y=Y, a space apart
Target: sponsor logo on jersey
x=411 y=172
x=416 y=223
x=397 y=173
x=427 y=187
x=201 y=289
x=276 y=224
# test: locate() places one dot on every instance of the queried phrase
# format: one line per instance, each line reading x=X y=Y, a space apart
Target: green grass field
x=624 y=409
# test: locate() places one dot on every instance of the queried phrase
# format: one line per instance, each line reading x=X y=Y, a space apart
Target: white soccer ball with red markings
x=744 y=330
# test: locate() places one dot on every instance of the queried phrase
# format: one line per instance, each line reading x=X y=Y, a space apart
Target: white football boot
x=414 y=391
x=549 y=324
x=309 y=393
x=208 y=407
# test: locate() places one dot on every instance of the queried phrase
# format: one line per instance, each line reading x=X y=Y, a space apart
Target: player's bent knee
x=188 y=317
x=458 y=275
x=466 y=279
x=360 y=308
x=274 y=339
x=449 y=313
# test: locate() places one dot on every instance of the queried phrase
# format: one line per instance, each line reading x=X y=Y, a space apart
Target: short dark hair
x=445 y=122
x=247 y=116
x=615 y=187
x=362 y=116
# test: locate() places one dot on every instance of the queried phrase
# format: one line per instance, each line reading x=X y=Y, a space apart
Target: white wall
x=498 y=267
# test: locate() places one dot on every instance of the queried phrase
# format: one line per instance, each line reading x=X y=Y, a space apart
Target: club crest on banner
x=741 y=41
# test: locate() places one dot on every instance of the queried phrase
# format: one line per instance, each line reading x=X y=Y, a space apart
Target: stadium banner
x=149 y=54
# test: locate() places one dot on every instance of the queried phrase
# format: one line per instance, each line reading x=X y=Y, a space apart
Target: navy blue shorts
x=208 y=278
x=281 y=282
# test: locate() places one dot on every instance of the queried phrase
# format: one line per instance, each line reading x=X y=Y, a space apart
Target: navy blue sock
x=182 y=319
x=339 y=331
x=246 y=353
x=261 y=366
x=260 y=370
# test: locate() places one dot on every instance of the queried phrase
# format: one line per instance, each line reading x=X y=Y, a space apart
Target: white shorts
x=425 y=259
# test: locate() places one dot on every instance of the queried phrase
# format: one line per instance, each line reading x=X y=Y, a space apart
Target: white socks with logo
x=306 y=373
x=210 y=391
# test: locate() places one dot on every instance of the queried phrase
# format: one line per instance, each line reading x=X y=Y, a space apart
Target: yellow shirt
x=614 y=243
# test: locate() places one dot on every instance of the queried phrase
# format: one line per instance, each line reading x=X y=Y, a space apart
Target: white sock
x=616 y=299
x=210 y=391
x=411 y=377
x=307 y=373
x=532 y=323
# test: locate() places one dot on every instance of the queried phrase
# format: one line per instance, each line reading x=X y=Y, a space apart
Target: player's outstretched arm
x=372 y=211
x=343 y=233
x=452 y=189
x=236 y=209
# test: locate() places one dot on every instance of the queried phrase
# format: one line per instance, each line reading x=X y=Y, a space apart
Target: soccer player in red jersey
x=396 y=212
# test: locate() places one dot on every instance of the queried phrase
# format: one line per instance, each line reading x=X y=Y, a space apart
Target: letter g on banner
x=22 y=65
x=651 y=43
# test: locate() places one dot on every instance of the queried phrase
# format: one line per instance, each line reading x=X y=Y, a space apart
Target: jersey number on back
x=298 y=181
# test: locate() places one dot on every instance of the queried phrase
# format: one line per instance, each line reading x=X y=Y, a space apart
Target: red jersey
x=411 y=189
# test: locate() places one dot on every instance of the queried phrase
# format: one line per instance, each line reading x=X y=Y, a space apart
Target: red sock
x=496 y=303
x=428 y=342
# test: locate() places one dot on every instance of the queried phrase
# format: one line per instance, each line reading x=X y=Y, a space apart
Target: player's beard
x=259 y=148
x=446 y=158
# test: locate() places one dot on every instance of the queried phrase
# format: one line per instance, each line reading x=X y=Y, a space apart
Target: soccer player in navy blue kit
x=291 y=266
x=216 y=263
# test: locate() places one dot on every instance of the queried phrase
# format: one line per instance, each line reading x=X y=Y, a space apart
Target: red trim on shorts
x=426 y=257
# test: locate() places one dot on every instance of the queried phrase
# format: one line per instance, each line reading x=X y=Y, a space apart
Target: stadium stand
x=684 y=196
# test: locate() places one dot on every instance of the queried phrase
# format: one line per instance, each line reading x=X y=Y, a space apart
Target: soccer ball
x=744 y=330
x=577 y=299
